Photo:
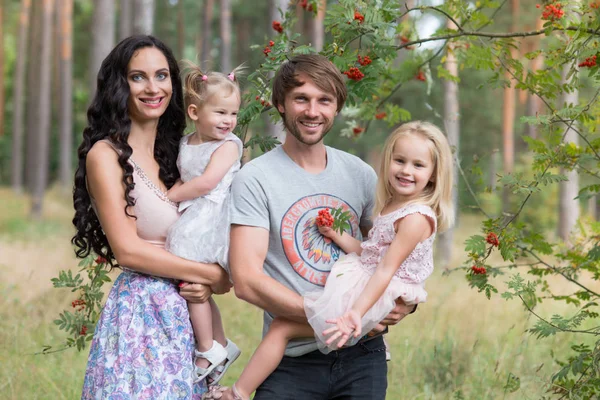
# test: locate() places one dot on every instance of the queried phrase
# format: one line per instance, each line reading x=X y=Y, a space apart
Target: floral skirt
x=143 y=344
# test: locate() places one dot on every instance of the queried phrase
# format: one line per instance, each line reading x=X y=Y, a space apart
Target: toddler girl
x=208 y=160
x=413 y=202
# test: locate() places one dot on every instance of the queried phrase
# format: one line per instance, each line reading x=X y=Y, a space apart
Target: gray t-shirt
x=274 y=193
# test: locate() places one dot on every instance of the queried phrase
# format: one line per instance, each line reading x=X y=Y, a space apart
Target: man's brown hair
x=318 y=68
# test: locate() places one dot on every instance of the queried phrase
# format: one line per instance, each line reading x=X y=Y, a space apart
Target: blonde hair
x=199 y=86
x=438 y=193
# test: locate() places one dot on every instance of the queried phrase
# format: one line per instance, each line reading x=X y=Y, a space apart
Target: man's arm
x=247 y=253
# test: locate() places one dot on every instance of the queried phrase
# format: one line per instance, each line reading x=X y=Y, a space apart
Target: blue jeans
x=357 y=372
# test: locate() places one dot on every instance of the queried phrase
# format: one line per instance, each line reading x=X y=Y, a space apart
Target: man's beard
x=294 y=130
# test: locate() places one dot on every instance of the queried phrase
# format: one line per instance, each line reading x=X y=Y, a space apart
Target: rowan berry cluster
x=589 y=62
x=324 y=218
x=354 y=73
x=359 y=17
x=263 y=101
x=595 y=5
x=421 y=76
x=277 y=26
x=266 y=50
x=552 y=12
x=79 y=304
x=101 y=260
x=304 y=4
x=492 y=239
x=381 y=115
x=478 y=270
x=366 y=60
x=83 y=330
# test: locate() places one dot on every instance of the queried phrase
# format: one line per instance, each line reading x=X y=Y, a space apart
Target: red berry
x=359 y=17
x=492 y=239
x=358 y=130
x=100 y=260
x=324 y=218
x=271 y=43
x=381 y=115
x=83 y=330
x=277 y=26
x=421 y=76
x=366 y=60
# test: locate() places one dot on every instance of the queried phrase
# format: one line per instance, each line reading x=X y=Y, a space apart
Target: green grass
x=457 y=344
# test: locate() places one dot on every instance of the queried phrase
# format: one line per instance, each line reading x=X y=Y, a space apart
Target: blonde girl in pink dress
x=413 y=203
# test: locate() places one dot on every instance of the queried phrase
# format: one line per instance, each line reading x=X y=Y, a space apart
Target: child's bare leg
x=269 y=353
x=217 y=324
x=201 y=318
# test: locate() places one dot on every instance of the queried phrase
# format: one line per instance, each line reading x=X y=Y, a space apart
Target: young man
x=277 y=253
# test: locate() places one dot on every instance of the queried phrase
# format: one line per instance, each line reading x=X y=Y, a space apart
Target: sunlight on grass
x=457 y=343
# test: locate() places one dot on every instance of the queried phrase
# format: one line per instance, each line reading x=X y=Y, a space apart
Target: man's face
x=308 y=112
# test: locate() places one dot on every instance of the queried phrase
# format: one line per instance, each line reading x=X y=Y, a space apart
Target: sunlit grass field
x=457 y=345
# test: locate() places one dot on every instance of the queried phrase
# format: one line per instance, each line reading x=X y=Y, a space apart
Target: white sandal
x=215 y=356
x=233 y=352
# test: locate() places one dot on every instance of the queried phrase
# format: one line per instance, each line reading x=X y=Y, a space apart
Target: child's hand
x=345 y=326
x=173 y=188
x=327 y=231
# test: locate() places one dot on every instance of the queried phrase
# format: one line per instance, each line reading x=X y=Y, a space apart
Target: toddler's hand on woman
x=195 y=292
x=347 y=325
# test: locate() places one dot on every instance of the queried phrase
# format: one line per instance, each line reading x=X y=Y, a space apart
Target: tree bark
x=452 y=126
x=125 y=19
x=318 y=31
x=225 y=26
x=43 y=140
x=180 y=29
x=32 y=98
x=206 y=38
x=65 y=117
x=276 y=130
x=18 y=91
x=143 y=21
x=103 y=38
x=508 y=115
x=568 y=204
x=1 y=74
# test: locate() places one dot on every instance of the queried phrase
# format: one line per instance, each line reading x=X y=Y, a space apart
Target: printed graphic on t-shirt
x=309 y=253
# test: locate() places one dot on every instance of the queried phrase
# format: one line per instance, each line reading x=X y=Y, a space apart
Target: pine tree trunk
x=180 y=30
x=318 y=31
x=43 y=137
x=143 y=21
x=225 y=27
x=508 y=115
x=103 y=38
x=18 y=92
x=65 y=118
x=568 y=204
x=452 y=127
x=32 y=98
x=1 y=74
x=275 y=130
x=205 y=59
x=125 y=19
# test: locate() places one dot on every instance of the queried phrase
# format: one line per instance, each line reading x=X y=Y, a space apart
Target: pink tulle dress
x=350 y=274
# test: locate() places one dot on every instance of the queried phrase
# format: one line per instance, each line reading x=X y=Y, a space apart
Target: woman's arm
x=104 y=179
x=220 y=162
x=346 y=242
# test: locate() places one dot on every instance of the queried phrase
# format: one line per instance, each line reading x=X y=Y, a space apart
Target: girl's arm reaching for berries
x=346 y=242
x=410 y=231
x=220 y=162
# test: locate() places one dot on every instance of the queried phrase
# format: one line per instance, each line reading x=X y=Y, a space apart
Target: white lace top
x=419 y=264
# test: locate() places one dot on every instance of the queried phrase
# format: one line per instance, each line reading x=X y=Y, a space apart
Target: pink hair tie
x=231 y=76
x=204 y=77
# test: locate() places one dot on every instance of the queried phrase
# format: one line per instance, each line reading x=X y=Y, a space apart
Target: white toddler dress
x=202 y=232
x=350 y=274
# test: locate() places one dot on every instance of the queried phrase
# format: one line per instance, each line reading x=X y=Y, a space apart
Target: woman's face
x=150 y=86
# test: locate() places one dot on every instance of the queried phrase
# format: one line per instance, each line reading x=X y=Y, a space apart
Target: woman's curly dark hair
x=108 y=118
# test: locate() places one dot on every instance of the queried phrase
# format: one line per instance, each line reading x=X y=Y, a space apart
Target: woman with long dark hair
x=143 y=344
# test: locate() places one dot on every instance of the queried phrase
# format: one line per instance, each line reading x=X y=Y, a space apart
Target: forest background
x=514 y=84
